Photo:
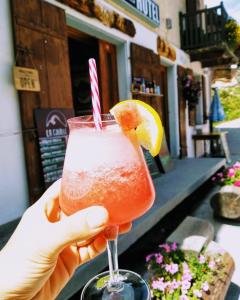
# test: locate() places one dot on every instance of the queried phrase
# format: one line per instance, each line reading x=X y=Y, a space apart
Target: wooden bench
x=195 y=234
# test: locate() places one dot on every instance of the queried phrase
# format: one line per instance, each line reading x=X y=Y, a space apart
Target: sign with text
x=146 y=9
x=53 y=132
x=152 y=164
x=165 y=157
x=26 y=79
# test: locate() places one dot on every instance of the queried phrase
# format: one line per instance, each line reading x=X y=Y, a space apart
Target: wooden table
x=218 y=144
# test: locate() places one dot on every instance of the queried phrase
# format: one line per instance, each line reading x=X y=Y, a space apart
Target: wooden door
x=182 y=114
x=41 y=43
x=108 y=78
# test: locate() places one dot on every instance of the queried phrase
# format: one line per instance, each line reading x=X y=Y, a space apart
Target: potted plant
x=191 y=89
x=226 y=202
x=175 y=274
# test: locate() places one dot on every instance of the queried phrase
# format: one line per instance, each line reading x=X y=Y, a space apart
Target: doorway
x=82 y=47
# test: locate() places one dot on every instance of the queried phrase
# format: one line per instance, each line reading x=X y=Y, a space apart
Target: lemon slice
x=136 y=114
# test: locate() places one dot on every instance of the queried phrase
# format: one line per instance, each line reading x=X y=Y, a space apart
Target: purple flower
x=197 y=293
x=166 y=247
x=174 y=246
x=201 y=259
x=212 y=264
x=205 y=286
x=149 y=257
x=171 y=268
x=159 y=284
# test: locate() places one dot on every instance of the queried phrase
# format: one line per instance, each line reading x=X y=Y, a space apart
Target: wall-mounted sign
x=146 y=9
x=52 y=131
x=26 y=79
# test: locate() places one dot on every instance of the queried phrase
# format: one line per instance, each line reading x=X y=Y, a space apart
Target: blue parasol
x=216 y=110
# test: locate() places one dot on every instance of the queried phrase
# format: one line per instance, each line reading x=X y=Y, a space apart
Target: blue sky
x=232 y=7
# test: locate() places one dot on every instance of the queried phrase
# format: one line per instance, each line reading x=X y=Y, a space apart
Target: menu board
x=166 y=161
x=152 y=164
x=53 y=132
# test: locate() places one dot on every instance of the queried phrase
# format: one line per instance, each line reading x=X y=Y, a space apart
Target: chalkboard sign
x=166 y=161
x=152 y=164
x=53 y=132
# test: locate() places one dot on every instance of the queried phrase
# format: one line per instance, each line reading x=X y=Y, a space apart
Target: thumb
x=78 y=227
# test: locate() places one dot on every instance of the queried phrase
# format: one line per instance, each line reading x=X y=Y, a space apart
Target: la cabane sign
x=146 y=9
x=26 y=79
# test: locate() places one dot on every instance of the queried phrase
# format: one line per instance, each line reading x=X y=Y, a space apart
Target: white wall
x=170 y=9
x=13 y=183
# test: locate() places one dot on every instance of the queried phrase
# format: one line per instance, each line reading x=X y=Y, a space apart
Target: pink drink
x=106 y=168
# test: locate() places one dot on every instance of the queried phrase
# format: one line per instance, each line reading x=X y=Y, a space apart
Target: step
x=192 y=234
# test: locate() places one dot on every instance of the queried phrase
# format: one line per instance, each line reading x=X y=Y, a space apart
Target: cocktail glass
x=107 y=167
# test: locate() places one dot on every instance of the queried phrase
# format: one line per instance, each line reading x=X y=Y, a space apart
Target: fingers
x=93 y=249
x=80 y=226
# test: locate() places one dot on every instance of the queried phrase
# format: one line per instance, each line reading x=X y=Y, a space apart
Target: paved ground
x=227 y=233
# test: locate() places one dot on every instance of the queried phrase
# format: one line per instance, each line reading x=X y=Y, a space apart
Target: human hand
x=47 y=247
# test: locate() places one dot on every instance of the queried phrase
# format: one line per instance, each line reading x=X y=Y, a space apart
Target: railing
x=205 y=27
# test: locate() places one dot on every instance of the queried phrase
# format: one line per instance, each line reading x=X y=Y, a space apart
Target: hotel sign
x=146 y=9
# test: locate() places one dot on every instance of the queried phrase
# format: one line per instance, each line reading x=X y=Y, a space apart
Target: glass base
x=132 y=287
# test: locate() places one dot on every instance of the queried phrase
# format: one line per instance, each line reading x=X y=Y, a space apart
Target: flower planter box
x=226 y=202
x=219 y=288
x=193 y=236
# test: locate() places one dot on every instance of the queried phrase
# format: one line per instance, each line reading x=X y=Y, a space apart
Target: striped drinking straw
x=95 y=93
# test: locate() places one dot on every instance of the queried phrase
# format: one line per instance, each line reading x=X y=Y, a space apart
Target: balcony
x=203 y=36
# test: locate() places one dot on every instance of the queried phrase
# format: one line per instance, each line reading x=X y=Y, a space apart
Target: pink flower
x=187 y=276
x=237 y=183
x=171 y=268
x=185 y=286
x=174 y=246
x=212 y=264
x=183 y=297
x=173 y=285
x=159 y=258
x=166 y=247
x=236 y=165
x=201 y=259
x=214 y=178
x=185 y=267
x=220 y=174
x=231 y=172
x=197 y=293
x=159 y=284
x=205 y=286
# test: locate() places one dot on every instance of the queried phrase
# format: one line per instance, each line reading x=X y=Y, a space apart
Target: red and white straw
x=95 y=93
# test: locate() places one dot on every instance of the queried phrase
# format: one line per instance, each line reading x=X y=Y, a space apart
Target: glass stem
x=114 y=283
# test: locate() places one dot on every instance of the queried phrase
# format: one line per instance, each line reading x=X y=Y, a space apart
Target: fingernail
x=97 y=217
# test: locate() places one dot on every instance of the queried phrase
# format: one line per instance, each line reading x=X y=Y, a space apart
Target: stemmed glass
x=107 y=167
